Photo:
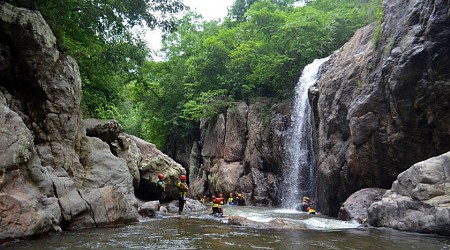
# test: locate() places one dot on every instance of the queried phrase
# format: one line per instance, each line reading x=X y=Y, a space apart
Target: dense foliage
x=258 y=50
x=98 y=34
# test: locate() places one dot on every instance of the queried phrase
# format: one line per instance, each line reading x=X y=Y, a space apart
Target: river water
x=197 y=230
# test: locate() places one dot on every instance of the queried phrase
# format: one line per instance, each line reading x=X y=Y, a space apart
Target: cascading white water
x=298 y=162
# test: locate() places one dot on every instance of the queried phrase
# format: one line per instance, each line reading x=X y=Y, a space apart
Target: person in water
x=240 y=200
x=216 y=209
x=306 y=202
x=311 y=210
x=221 y=199
x=203 y=199
x=230 y=199
x=183 y=188
x=161 y=189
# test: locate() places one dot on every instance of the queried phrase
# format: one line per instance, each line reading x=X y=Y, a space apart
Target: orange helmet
x=160 y=176
x=213 y=197
x=239 y=195
x=183 y=177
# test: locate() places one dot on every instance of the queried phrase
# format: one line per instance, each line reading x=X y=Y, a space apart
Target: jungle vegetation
x=258 y=50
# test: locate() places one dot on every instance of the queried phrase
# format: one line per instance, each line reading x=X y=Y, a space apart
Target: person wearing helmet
x=240 y=200
x=221 y=199
x=306 y=202
x=161 y=189
x=203 y=199
x=216 y=208
x=183 y=188
x=231 y=199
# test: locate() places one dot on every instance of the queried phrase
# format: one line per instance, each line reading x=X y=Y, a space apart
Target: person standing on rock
x=161 y=189
x=183 y=188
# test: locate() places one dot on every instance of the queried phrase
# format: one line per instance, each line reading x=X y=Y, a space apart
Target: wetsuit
x=182 y=197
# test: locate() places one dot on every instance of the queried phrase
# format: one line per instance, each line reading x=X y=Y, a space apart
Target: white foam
x=329 y=224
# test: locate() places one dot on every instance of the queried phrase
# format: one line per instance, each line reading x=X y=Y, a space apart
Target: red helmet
x=218 y=200
x=183 y=177
x=160 y=176
x=220 y=195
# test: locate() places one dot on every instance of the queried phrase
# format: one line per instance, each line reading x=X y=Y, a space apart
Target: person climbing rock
x=216 y=208
x=183 y=188
x=161 y=189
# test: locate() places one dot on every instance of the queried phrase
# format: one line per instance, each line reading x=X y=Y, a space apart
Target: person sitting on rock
x=240 y=200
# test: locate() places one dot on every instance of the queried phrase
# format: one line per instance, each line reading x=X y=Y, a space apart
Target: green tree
x=98 y=35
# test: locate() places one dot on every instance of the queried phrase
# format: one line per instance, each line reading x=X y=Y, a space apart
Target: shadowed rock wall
x=384 y=104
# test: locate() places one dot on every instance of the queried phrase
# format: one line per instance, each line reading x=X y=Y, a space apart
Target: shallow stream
x=197 y=230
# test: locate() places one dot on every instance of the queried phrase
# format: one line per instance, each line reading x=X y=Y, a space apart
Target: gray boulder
x=54 y=177
x=273 y=224
x=190 y=205
x=356 y=206
x=419 y=200
x=149 y=209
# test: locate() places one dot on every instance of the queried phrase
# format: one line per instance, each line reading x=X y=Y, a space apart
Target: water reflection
x=196 y=230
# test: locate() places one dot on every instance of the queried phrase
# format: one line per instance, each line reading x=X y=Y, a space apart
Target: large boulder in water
x=356 y=206
x=419 y=200
x=273 y=224
x=190 y=205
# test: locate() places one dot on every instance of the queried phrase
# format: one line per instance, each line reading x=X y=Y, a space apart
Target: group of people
x=217 y=202
x=182 y=188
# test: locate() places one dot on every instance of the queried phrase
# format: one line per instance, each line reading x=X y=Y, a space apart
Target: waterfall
x=298 y=163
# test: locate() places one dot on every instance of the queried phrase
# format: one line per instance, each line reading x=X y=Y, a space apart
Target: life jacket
x=182 y=191
x=230 y=200
x=160 y=185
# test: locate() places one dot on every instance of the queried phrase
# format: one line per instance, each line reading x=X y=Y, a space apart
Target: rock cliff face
x=238 y=151
x=52 y=175
x=384 y=102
